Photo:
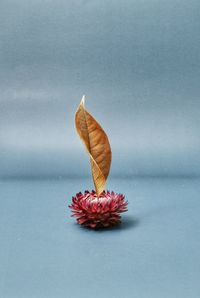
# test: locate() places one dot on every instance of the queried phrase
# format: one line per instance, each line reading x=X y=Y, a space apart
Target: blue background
x=138 y=62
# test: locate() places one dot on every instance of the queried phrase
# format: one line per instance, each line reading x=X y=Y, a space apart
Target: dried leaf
x=97 y=145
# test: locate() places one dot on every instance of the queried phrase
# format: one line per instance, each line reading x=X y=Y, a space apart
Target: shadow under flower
x=127 y=223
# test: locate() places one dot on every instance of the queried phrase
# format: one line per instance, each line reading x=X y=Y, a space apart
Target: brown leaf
x=97 y=145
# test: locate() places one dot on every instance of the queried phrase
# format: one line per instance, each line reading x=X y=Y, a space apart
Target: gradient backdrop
x=138 y=63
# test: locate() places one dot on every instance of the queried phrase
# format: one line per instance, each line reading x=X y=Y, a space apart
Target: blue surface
x=154 y=253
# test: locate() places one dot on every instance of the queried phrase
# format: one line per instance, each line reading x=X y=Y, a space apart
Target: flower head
x=98 y=211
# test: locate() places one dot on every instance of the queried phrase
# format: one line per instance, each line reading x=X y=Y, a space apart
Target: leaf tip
x=83 y=100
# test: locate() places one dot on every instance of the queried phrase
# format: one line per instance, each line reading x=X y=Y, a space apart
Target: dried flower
x=98 y=211
x=97 y=208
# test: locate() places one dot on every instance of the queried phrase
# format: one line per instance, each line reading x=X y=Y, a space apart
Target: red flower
x=94 y=212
